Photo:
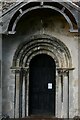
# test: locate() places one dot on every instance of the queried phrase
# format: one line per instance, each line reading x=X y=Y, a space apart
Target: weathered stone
x=61 y=45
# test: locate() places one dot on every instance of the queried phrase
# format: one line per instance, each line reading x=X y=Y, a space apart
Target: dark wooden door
x=42 y=86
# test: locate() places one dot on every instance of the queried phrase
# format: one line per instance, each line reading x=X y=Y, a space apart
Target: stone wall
x=0 y=63
x=0 y=75
x=39 y=22
x=79 y=74
x=6 y=5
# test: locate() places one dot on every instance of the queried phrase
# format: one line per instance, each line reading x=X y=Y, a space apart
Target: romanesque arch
x=27 y=7
x=35 y=45
x=38 y=45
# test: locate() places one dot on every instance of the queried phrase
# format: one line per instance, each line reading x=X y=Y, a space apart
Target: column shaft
x=23 y=97
x=16 y=106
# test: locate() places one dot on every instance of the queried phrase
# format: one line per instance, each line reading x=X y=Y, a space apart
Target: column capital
x=18 y=69
x=63 y=71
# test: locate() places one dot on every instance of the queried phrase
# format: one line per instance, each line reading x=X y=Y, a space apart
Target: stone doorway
x=42 y=86
x=60 y=56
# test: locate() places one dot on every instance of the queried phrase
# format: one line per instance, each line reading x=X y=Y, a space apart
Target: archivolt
x=42 y=44
x=27 y=7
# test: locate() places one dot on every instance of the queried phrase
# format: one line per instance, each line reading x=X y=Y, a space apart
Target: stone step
x=36 y=118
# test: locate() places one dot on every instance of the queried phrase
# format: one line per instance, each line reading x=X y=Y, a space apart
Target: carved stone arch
x=40 y=43
x=43 y=51
x=27 y=7
x=26 y=51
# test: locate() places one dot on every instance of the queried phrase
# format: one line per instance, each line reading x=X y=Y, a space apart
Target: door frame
x=42 y=44
x=52 y=83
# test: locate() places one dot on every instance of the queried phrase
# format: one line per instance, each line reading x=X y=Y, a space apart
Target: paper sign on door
x=49 y=85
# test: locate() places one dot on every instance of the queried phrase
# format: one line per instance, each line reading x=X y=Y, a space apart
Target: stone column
x=21 y=92
x=23 y=97
x=16 y=96
x=58 y=95
x=27 y=93
x=63 y=93
x=62 y=85
x=57 y=82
